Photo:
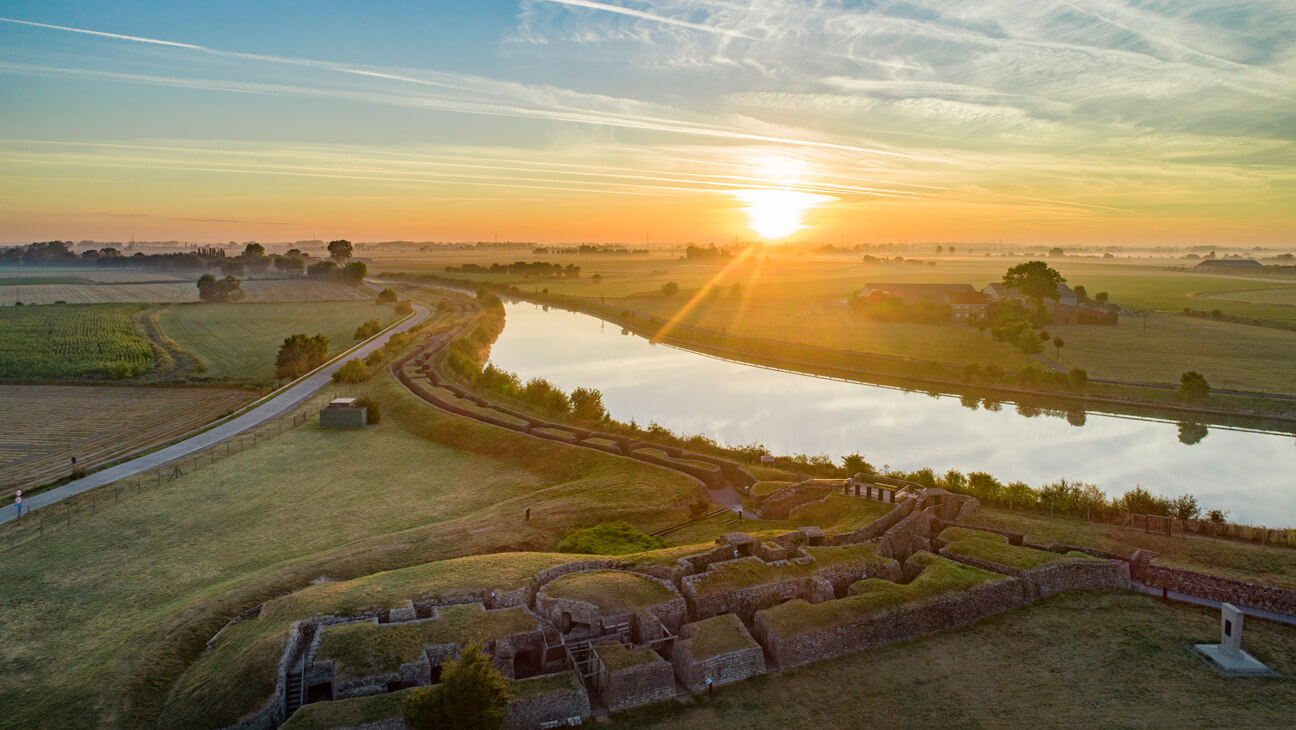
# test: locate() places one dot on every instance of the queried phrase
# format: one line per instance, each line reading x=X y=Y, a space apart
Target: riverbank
x=1254 y=412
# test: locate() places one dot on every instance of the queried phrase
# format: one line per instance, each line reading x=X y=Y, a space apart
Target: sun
x=776 y=213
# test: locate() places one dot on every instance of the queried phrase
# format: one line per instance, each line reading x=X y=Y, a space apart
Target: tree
x=232 y=267
x=1192 y=433
x=1058 y=342
x=386 y=296
x=587 y=405
x=1101 y=297
x=322 y=270
x=984 y=486
x=1081 y=292
x=340 y=250
x=1035 y=279
x=289 y=264
x=354 y=272
x=472 y=694
x=670 y=288
x=1193 y=387
x=854 y=464
x=352 y=371
x=1056 y=252
x=597 y=278
x=403 y=307
x=300 y=354
x=1077 y=379
x=253 y=250
x=211 y=289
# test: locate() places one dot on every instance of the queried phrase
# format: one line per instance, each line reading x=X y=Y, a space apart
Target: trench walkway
x=269 y=410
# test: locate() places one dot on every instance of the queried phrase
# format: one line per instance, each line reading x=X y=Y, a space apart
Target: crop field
x=49 y=424
x=239 y=341
x=49 y=290
x=116 y=594
x=70 y=341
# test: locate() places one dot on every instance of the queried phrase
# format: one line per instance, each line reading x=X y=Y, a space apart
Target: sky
x=1086 y=122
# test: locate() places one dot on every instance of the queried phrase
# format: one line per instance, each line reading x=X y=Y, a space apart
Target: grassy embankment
x=103 y=616
x=239 y=341
x=1269 y=565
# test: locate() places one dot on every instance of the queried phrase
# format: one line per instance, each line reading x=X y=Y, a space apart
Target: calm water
x=1251 y=474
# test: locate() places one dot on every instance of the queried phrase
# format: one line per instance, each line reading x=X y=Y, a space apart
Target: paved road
x=272 y=408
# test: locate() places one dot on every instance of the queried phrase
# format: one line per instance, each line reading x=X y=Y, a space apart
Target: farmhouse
x=968 y=306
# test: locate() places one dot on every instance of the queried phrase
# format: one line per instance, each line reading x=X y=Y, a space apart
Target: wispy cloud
x=1076 y=108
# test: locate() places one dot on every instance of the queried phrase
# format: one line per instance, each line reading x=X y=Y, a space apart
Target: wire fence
x=72 y=512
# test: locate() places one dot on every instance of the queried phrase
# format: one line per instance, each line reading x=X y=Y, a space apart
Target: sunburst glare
x=775 y=214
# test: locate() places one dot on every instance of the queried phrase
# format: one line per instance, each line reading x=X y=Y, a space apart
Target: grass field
x=1076 y=660
x=1285 y=296
x=103 y=615
x=71 y=341
x=96 y=424
x=1234 y=356
x=239 y=341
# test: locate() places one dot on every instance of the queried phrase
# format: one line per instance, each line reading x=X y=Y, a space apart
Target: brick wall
x=526 y=713
x=725 y=668
x=906 y=622
x=1230 y=590
x=876 y=527
x=637 y=685
x=747 y=601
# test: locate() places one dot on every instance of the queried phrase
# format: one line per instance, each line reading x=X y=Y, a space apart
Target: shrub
x=608 y=538
x=387 y=296
x=670 y=288
x=352 y=371
x=368 y=329
x=374 y=416
x=403 y=307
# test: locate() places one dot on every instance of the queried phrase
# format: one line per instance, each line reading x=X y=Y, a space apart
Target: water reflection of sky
x=1253 y=475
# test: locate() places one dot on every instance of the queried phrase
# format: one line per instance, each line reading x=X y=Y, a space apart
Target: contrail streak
x=619 y=10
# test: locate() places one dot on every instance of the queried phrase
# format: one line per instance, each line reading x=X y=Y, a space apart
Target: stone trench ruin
x=590 y=636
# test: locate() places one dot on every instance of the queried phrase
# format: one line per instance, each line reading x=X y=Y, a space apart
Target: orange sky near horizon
x=664 y=121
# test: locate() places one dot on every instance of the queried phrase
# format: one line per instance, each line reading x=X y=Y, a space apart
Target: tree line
x=534 y=270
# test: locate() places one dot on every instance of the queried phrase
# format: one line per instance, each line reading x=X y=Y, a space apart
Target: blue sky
x=1094 y=120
